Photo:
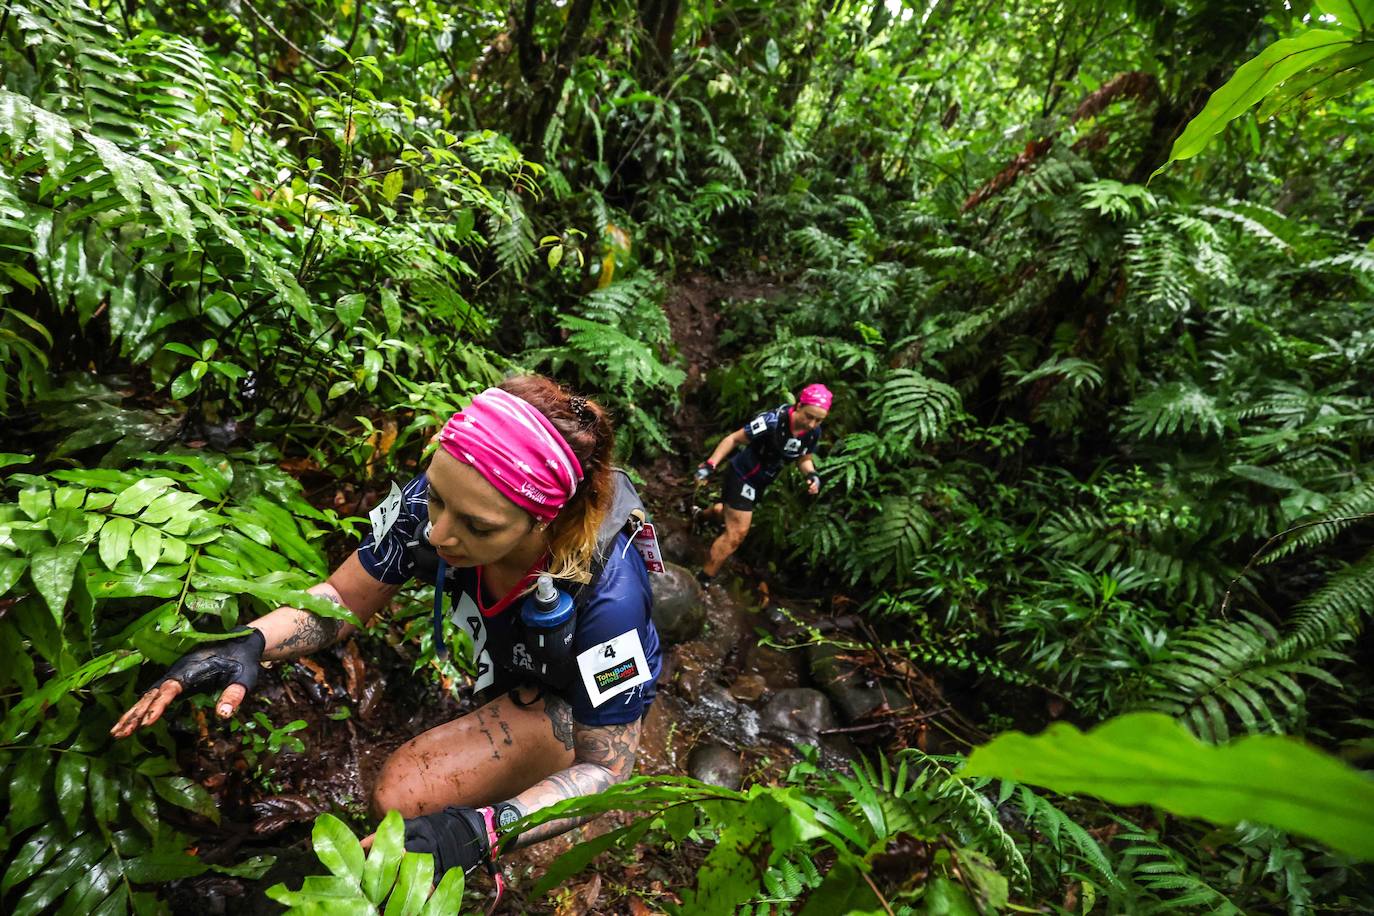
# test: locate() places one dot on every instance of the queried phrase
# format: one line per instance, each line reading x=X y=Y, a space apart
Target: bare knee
x=392 y=791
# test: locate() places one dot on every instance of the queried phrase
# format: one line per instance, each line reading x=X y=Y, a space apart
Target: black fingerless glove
x=813 y=478
x=216 y=665
x=456 y=837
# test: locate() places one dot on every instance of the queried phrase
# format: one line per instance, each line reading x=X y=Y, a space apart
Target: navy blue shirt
x=616 y=647
x=771 y=445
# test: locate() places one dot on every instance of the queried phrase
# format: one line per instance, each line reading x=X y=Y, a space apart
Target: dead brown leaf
x=355 y=671
x=582 y=899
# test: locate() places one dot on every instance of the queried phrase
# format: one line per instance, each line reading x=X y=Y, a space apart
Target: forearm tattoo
x=308 y=634
x=603 y=757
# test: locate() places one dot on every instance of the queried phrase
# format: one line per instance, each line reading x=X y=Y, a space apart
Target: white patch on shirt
x=758 y=425
x=466 y=615
x=386 y=513
x=611 y=668
x=791 y=448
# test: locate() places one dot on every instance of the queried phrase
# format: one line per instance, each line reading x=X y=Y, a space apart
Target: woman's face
x=471 y=523
x=807 y=417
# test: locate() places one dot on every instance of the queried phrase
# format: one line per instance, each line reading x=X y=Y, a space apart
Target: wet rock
x=716 y=765
x=681 y=546
x=693 y=666
x=748 y=687
x=855 y=692
x=797 y=714
x=678 y=609
x=721 y=717
x=777 y=667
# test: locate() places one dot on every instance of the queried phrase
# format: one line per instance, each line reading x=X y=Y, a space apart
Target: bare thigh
x=487 y=756
x=737 y=524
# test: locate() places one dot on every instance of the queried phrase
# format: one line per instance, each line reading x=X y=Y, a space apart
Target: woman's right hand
x=229 y=665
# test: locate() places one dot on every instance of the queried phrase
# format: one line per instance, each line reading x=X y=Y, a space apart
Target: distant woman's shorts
x=737 y=494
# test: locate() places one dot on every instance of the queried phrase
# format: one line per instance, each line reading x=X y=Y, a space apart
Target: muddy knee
x=395 y=790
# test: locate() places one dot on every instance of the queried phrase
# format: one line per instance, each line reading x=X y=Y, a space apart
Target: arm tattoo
x=561 y=718
x=603 y=757
x=310 y=634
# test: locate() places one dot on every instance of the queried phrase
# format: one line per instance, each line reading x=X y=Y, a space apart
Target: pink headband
x=517 y=450
x=817 y=395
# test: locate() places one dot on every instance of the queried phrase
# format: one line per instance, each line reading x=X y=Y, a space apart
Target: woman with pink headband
x=768 y=441
x=520 y=491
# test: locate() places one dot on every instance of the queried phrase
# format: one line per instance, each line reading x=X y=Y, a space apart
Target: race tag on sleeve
x=386 y=513
x=646 y=542
x=610 y=668
x=758 y=425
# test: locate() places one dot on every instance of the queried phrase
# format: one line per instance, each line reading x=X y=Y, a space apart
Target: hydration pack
x=626 y=514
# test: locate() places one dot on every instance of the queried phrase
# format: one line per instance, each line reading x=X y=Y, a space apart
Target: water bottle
x=549 y=627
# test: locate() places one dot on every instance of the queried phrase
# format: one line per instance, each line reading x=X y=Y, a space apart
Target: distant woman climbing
x=518 y=519
x=769 y=440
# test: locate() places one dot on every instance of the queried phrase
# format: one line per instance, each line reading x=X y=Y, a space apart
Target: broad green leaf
x=11 y=568
x=184 y=384
x=9 y=459
x=413 y=882
x=388 y=845
x=69 y=784
x=324 y=895
x=31 y=857
x=1253 y=81
x=448 y=896
x=104 y=584
x=24 y=713
x=349 y=308
x=1148 y=758
x=391 y=309
x=147 y=545
x=74 y=860
x=52 y=569
x=392 y=185
x=162 y=865
x=186 y=793
x=28 y=799
x=337 y=847
x=140 y=495
x=1355 y=15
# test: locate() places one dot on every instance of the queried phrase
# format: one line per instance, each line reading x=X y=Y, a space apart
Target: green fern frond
x=914 y=408
x=1177 y=407
x=971 y=816
x=1156 y=867
x=512 y=237
x=1335 y=612
x=1235 y=670
x=1061 y=831
x=891 y=542
x=1343 y=512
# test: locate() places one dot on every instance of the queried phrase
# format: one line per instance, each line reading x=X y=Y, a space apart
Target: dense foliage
x=1075 y=404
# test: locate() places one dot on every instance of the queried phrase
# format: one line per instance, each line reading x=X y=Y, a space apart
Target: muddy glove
x=704 y=470
x=216 y=665
x=457 y=837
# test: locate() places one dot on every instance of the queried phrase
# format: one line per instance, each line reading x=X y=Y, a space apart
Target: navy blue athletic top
x=615 y=644
x=771 y=445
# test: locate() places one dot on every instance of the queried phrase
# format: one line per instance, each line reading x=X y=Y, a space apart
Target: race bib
x=746 y=491
x=466 y=615
x=792 y=448
x=758 y=425
x=386 y=513
x=610 y=668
